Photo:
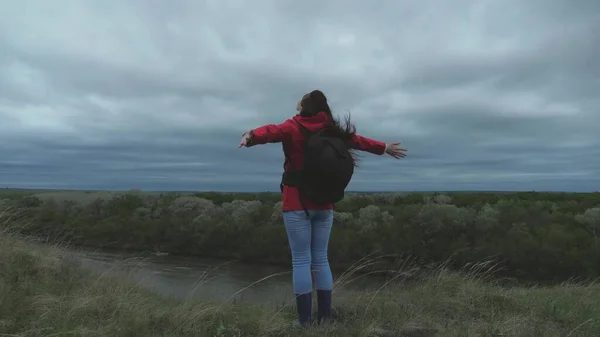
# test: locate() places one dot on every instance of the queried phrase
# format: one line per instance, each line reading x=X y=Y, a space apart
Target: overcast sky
x=149 y=94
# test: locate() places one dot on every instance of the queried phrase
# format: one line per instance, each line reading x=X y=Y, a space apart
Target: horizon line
x=278 y=192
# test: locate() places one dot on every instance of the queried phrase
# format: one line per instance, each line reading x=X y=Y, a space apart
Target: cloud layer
x=486 y=95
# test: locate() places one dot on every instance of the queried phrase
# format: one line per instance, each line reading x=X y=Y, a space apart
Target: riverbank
x=44 y=292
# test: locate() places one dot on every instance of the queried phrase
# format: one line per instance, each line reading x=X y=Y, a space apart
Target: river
x=221 y=280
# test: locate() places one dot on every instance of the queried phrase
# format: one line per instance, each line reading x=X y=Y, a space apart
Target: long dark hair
x=315 y=102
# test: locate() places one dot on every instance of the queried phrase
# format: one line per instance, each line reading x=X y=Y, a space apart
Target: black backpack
x=327 y=170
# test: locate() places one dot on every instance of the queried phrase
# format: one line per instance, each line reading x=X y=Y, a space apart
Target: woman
x=308 y=232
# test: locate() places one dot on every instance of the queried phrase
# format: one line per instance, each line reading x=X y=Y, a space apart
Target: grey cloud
x=495 y=96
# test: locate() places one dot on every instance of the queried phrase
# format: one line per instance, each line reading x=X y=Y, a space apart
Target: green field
x=450 y=259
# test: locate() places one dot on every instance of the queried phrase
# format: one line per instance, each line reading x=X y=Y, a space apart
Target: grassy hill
x=43 y=292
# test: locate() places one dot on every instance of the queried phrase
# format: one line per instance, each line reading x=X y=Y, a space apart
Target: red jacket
x=291 y=136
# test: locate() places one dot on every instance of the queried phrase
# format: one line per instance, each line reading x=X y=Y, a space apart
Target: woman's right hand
x=394 y=150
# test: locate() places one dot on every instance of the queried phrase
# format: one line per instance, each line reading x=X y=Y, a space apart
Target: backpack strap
x=290 y=176
x=287 y=159
x=306 y=133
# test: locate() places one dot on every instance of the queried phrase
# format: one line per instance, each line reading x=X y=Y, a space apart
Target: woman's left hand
x=245 y=139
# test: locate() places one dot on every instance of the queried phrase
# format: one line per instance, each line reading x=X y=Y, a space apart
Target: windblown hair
x=315 y=102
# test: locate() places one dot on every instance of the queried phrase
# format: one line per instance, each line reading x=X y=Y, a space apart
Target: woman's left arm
x=270 y=133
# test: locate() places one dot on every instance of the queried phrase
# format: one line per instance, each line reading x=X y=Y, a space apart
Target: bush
x=548 y=237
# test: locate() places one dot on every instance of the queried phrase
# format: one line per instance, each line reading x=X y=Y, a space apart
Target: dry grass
x=43 y=292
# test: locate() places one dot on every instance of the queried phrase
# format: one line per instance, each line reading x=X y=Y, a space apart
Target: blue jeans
x=308 y=238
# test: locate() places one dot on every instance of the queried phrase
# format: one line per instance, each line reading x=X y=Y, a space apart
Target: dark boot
x=304 y=308
x=324 y=306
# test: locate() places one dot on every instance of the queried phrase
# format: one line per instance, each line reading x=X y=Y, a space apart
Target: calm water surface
x=222 y=280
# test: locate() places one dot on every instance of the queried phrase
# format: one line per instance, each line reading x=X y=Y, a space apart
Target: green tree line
x=546 y=237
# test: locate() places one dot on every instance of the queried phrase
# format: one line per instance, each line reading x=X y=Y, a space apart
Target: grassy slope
x=44 y=293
